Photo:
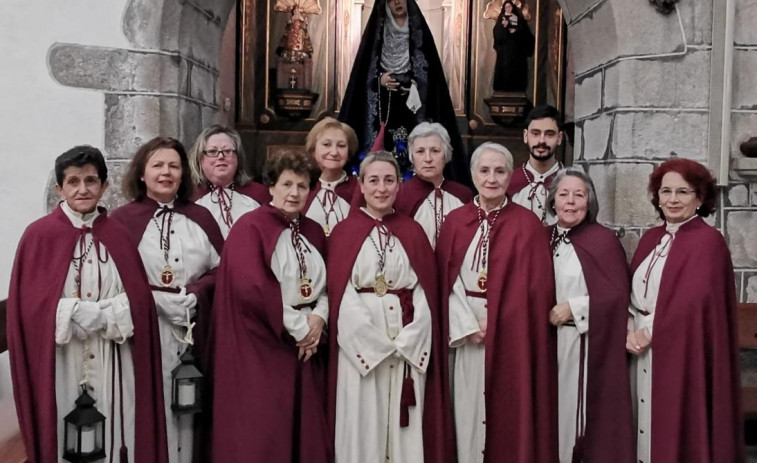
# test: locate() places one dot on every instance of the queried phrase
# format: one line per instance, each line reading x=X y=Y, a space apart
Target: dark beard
x=546 y=157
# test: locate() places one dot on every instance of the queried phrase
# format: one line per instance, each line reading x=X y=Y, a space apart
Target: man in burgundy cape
x=609 y=432
x=344 y=246
x=267 y=405
x=696 y=382
x=39 y=272
x=136 y=216
x=521 y=355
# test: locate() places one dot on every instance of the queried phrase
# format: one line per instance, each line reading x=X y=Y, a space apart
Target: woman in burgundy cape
x=361 y=433
x=269 y=312
x=591 y=279
x=497 y=291
x=683 y=299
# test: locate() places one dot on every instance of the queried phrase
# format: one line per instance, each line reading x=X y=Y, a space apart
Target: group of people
x=367 y=319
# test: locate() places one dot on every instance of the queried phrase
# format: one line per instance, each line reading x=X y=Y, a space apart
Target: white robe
x=426 y=213
x=76 y=318
x=570 y=287
x=538 y=203
x=240 y=204
x=641 y=365
x=190 y=255
x=328 y=211
x=467 y=359
x=374 y=348
x=285 y=266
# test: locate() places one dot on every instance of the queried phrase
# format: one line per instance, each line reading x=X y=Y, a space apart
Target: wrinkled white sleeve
x=579 y=307
x=117 y=313
x=462 y=320
x=645 y=322
x=322 y=307
x=414 y=340
x=365 y=344
x=65 y=327
x=296 y=323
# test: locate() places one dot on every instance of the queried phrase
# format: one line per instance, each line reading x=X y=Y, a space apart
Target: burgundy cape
x=267 y=405
x=521 y=355
x=347 y=190
x=252 y=189
x=344 y=246
x=520 y=181
x=136 y=216
x=39 y=272
x=696 y=383
x=609 y=432
x=413 y=192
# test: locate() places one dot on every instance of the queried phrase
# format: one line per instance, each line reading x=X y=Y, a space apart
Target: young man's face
x=82 y=188
x=542 y=137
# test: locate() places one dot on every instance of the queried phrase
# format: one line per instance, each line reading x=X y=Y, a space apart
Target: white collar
x=539 y=176
x=78 y=219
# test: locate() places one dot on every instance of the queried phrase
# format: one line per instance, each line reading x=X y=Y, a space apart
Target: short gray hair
x=592 y=209
x=427 y=129
x=497 y=148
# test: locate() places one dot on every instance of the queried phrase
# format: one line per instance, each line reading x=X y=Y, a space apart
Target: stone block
x=632 y=206
x=588 y=97
x=575 y=8
x=604 y=178
x=112 y=69
x=682 y=82
x=630 y=241
x=596 y=137
x=203 y=84
x=696 y=16
x=659 y=135
x=750 y=288
x=745 y=32
x=743 y=127
x=132 y=120
x=741 y=229
x=191 y=122
x=204 y=44
x=141 y=23
x=578 y=143
x=744 y=79
x=588 y=51
x=738 y=195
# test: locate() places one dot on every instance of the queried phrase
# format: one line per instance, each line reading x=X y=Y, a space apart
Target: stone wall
x=643 y=95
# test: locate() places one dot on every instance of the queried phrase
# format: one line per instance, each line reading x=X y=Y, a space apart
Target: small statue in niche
x=514 y=44
x=294 y=68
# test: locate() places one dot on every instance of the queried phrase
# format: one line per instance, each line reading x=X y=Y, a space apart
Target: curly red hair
x=697 y=175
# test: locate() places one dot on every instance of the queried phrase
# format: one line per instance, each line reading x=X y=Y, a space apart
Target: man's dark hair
x=79 y=156
x=543 y=112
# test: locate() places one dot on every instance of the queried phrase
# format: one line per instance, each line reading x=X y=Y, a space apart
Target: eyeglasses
x=667 y=192
x=214 y=153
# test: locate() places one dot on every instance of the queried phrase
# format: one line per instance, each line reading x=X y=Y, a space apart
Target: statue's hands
x=388 y=81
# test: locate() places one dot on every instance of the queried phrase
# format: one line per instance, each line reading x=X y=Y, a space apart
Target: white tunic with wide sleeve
x=87 y=331
x=570 y=287
x=431 y=208
x=240 y=204
x=537 y=203
x=467 y=315
x=328 y=208
x=645 y=287
x=285 y=266
x=190 y=256
x=374 y=351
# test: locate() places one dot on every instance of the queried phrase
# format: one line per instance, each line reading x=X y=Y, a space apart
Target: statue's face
x=508 y=8
x=398 y=8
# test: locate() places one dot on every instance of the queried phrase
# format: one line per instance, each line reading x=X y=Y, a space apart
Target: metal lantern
x=84 y=432
x=186 y=395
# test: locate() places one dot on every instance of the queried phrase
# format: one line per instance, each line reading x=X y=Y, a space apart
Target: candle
x=87 y=439
x=186 y=394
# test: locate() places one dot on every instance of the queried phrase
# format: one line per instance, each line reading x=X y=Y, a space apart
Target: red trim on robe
x=344 y=245
x=413 y=192
x=39 y=272
x=521 y=350
x=696 y=380
x=347 y=190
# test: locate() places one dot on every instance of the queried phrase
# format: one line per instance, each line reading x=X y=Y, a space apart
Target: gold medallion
x=482 y=281
x=306 y=289
x=166 y=276
x=326 y=230
x=380 y=287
